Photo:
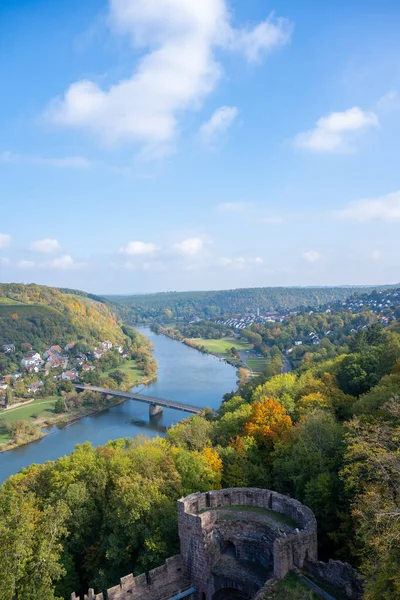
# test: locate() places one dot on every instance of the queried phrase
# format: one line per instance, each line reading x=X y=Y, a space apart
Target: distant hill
x=166 y=306
x=43 y=315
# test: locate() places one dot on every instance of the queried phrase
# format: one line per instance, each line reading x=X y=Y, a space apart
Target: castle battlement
x=233 y=542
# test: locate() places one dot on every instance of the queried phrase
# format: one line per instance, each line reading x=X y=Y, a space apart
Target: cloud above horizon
x=189 y=247
x=311 y=256
x=218 y=124
x=385 y=208
x=72 y=162
x=336 y=132
x=137 y=248
x=46 y=246
x=177 y=71
x=5 y=240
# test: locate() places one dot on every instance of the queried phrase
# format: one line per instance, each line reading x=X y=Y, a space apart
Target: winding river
x=184 y=374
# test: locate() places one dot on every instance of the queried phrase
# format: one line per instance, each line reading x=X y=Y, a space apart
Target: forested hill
x=186 y=305
x=43 y=315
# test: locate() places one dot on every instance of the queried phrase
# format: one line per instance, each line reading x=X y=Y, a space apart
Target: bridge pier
x=155 y=409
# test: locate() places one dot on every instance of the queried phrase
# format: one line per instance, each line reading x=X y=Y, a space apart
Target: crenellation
x=225 y=544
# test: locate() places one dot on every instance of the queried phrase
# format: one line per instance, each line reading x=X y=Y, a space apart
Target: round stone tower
x=234 y=540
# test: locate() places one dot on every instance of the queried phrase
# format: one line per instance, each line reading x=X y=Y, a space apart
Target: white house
x=106 y=345
x=32 y=359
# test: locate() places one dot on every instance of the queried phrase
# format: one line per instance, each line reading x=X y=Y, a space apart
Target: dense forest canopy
x=43 y=315
x=327 y=434
x=164 y=307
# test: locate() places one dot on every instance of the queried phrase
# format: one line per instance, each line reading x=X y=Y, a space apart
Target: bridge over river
x=155 y=404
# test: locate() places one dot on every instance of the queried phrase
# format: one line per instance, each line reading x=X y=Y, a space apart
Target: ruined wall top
x=199 y=503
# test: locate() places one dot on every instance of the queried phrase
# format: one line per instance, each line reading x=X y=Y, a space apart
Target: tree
x=372 y=478
x=9 y=397
x=118 y=376
x=268 y=421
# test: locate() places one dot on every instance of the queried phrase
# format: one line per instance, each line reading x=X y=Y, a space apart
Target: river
x=184 y=374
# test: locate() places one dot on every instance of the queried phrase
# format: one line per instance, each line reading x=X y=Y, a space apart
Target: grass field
x=129 y=368
x=25 y=310
x=219 y=347
x=37 y=407
x=257 y=365
x=41 y=407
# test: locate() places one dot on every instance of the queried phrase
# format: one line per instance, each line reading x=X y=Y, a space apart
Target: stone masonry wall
x=341 y=576
x=256 y=537
x=200 y=532
x=159 y=583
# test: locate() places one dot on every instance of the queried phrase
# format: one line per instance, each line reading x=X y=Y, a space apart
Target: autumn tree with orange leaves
x=268 y=421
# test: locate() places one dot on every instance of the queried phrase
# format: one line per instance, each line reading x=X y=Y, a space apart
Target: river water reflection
x=184 y=374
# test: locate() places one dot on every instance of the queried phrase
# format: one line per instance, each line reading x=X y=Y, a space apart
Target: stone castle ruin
x=234 y=543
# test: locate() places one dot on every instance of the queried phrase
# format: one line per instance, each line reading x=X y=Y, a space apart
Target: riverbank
x=26 y=422
x=184 y=375
x=47 y=420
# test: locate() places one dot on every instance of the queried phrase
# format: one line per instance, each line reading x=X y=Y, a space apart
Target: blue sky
x=151 y=145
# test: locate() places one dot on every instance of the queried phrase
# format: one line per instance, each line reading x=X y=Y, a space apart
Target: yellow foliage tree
x=213 y=460
x=268 y=420
x=310 y=402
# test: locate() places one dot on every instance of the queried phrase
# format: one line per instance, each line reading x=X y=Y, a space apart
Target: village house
x=87 y=368
x=16 y=375
x=53 y=353
x=106 y=345
x=3 y=384
x=35 y=386
x=69 y=347
x=8 y=348
x=31 y=359
x=81 y=359
x=71 y=375
x=119 y=349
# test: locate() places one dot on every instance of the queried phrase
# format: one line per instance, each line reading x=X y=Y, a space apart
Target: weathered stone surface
x=206 y=527
x=338 y=575
x=159 y=583
x=227 y=543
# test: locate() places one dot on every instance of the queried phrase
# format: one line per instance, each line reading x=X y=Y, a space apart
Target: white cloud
x=5 y=240
x=137 y=248
x=312 y=256
x=177 y=72
x=26 y=264
x=190 y=247
x=389 y=101
x=262 y=38
x=335 y=132
x=64 y=263
x=46 y=246
x=73 y=162
x=218 y=124
x=239 y=262
x=386 y=208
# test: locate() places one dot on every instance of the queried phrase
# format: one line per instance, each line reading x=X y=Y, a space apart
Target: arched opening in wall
x=230 y=594
x=228 y=549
